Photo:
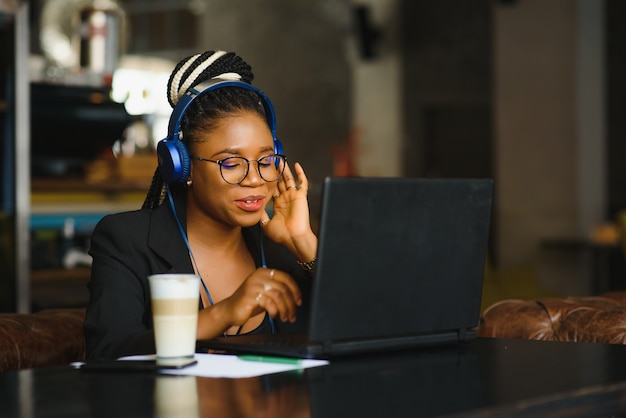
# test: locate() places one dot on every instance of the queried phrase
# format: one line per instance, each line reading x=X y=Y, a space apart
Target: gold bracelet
x=309 y=266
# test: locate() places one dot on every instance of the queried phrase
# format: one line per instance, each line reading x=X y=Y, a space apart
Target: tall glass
x=175 y=304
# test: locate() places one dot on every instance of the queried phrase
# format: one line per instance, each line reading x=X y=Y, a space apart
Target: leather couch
x=46 y=338
x=599 y=319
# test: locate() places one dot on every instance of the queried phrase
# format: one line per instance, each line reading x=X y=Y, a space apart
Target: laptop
x=400 y=264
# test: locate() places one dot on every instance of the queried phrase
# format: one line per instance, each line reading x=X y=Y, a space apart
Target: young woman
x=213 y=221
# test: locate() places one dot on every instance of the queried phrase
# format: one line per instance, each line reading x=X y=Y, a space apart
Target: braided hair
x=205 y=111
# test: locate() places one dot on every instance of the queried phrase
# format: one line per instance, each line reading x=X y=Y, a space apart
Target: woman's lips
x=250 y=203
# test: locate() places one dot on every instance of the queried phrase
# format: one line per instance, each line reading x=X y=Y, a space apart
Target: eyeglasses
x=235 y=169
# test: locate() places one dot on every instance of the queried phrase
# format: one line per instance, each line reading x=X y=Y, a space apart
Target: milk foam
x=174 y=286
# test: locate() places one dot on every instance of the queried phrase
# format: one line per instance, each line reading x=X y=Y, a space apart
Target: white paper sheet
x=226 y=365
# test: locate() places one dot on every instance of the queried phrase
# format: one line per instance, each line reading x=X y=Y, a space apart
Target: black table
x=487 y=377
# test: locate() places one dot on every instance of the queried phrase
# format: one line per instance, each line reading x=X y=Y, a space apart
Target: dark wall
x=447 y=84
x=616 y=105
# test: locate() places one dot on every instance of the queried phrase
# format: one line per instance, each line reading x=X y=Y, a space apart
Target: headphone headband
x=199 y=89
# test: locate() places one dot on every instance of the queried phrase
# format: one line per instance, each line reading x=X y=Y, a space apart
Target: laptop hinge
x=466 y=335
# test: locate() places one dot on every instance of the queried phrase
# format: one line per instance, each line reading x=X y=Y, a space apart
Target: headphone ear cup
x=174 y=161
x=185 y=162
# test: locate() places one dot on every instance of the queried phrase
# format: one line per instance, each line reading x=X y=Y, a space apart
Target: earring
x=189 y=182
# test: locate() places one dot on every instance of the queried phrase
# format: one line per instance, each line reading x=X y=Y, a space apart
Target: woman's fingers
x=289 y=182
x=276 y=306
x=279 y=295
x=302 y=179
x=290 y=286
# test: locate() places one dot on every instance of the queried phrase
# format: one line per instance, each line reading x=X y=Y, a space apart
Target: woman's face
x=244 y=134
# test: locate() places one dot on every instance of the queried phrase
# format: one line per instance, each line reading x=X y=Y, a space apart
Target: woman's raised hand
x=290 y=225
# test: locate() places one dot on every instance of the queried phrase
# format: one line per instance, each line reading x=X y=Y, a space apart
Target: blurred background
x=530 y=93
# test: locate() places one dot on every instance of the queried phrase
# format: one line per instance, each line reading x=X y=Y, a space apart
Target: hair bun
x=205 y=66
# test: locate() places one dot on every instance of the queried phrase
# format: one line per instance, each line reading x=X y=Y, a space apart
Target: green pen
x=270 y=359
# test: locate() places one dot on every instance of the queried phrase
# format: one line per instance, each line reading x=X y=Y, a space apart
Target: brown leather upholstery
x=46 y=338
x=577 y=319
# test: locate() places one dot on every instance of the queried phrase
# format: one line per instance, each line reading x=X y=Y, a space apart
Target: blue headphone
x=174 y=159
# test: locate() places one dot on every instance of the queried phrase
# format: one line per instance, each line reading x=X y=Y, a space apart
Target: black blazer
x=126 y=249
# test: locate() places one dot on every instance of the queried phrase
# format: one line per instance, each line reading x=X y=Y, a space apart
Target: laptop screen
x=399 y=256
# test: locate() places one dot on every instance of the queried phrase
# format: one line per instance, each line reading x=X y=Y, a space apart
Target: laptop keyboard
x=280 y=340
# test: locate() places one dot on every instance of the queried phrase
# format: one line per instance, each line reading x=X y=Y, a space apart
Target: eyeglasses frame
x=220 y=162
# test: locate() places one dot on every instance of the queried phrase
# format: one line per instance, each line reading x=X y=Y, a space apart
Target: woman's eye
x=267 y=161
x=230 y=164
